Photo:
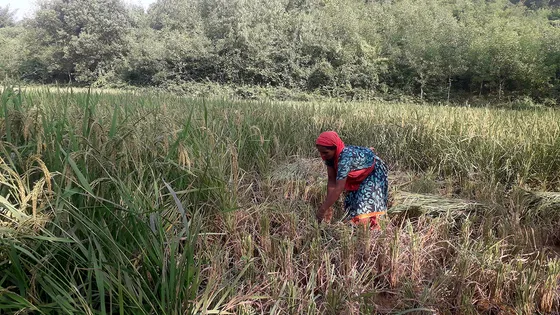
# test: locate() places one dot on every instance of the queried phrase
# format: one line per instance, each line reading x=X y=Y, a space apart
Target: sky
x=25 y=8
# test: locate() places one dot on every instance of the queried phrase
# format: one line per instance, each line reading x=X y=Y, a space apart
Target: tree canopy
x=429 y=48
x=7 y=16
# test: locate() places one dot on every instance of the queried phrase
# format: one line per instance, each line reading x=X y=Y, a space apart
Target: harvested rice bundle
x=302 y=169
x=417 y=204
x=549 y=200
x=541 y=203
x=301 y=179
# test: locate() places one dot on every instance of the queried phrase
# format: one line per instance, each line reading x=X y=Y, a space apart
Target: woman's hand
x=327 y=215
x=334 y=191
x=324 y=215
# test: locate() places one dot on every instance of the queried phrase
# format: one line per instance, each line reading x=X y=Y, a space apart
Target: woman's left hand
x=327 y=216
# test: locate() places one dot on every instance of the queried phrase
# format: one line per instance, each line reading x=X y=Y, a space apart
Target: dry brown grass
x=439 y=259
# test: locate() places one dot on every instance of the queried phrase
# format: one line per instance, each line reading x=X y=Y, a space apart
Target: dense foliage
x=431 y=49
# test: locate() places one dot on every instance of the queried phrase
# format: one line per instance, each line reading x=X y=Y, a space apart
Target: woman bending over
x=359 y=172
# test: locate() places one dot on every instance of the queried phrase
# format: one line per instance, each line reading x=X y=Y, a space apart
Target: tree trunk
x=500 y=89
x=449 y=90
x=422 y=83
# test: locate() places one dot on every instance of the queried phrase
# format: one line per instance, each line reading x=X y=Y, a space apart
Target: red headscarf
x=355 y=178
x=331 y=139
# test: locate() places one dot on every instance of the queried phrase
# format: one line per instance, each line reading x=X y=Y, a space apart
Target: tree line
x=429 y=48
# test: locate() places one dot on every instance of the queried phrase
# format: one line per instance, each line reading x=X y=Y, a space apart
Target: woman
x=360 y=172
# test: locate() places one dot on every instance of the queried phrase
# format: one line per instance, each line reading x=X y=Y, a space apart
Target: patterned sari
x=366 y=179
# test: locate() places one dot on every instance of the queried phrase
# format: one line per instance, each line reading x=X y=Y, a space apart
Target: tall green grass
x=152 y=203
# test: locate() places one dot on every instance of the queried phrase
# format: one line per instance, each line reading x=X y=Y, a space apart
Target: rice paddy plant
x=153 y=203
x=101 y=260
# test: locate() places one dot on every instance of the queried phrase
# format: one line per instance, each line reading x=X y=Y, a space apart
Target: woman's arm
x=334 y=189
x=331 y=183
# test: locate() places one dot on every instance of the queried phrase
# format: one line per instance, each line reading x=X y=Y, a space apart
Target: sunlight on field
x=152 y=203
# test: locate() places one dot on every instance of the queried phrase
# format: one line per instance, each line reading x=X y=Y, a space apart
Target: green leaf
x=81 y=178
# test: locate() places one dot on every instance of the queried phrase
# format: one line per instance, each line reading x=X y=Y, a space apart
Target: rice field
x=150 y=203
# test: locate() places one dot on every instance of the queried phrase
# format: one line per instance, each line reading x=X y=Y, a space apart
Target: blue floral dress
x=372 y=195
